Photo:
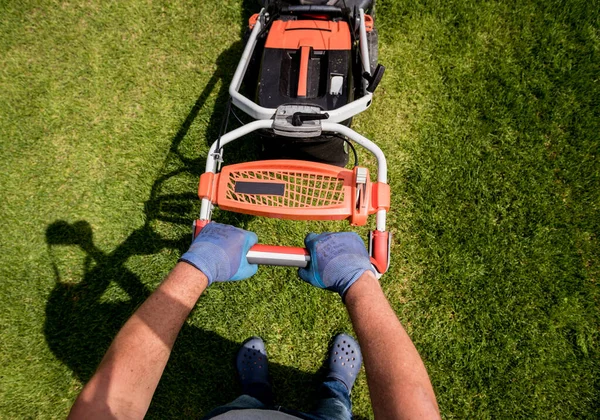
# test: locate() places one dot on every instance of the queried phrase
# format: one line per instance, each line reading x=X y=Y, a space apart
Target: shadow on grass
x=80 y=324
x=80 y=327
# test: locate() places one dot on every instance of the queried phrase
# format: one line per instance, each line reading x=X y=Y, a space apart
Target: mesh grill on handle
x=287 y=189
x=301 y=190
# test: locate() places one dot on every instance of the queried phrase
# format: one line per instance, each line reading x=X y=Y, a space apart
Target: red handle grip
x=278 y=255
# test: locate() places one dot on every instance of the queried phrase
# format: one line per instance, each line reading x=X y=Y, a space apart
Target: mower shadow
x=80 y=324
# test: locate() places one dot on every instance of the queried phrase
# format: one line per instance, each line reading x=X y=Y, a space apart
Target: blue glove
x=219 y=251
x=337 y=260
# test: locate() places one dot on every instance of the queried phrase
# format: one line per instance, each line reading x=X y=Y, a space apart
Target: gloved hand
x=219 y=251
x=337 y=260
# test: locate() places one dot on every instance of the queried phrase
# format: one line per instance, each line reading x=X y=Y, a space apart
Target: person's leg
x=253 y=372
x=261 y=392
x=344 y=364
x=334 y=401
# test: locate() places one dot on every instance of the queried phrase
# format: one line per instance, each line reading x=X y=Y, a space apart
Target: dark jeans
x=334 y=403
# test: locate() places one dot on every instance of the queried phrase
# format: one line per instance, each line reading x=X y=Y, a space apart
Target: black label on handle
x=262 y=188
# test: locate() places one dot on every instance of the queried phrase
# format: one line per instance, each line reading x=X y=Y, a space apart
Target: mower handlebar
x=291 y=256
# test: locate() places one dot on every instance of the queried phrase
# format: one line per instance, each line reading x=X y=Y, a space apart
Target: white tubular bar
x=371 y=147
x=236 y=81
x=364 y=46
x=364 y=142
x=380 y=220
x=349 y=110
x=205 y=209
x=211 y=162
x=239 y=100
x=281 y=259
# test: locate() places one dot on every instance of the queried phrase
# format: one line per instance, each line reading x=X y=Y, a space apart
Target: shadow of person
x=80 y=326
x=81 y=322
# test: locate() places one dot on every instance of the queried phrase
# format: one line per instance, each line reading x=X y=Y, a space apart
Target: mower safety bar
x=312 y=9
x=214 y=155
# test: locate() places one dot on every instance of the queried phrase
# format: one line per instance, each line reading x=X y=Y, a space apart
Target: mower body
x=307 y=61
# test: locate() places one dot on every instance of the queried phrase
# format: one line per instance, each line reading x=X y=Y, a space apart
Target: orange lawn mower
x=309 y=68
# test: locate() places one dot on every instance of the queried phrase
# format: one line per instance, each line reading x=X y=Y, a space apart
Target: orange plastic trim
x=207 y=186
x=303 y=76
x=252 y=20
x=318 y=34
x=280 y=249
x=381 y=196
x=302 y=190
x=199 y=225
x=361 y=212
x=379 y=250
x=369 y=23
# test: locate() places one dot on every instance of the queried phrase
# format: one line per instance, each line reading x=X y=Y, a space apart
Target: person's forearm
x=398 y=382
x=129 y=373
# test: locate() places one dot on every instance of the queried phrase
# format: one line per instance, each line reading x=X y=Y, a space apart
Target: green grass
x=489 y=117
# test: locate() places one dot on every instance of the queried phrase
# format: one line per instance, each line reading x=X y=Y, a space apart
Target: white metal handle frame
x=284 y=258
x=260 y=113
x=215 y=155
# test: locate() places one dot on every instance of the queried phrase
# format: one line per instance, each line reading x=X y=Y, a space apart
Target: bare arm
x=128 y=375
x=398 y=382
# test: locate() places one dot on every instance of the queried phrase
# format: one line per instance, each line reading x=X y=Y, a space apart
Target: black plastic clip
x=299 y=117
x=375 y=78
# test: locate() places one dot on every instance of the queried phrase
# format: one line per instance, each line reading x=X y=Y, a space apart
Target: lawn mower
x=305 y=71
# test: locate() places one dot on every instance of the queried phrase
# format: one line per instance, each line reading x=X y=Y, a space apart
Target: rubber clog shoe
x=345 y=360
x=252 y=363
